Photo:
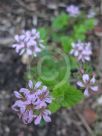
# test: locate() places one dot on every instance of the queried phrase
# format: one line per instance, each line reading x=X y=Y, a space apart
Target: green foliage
x=66 y=43
x=73 y=63
x=60 y=26
x=79 y=32
x=60 y=21
x=55 y=37
x=44 y=34
x=54 y=71
x=54 y=106
x=65 y=96
x=89 y=24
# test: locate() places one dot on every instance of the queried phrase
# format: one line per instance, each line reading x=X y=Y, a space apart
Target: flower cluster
x=91 y=13
x=73 y=10
x=28 y=42
x=82 y=51
x=88 y=84
x=32 y=103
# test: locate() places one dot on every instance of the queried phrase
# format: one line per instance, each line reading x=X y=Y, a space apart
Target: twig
x=24 y=6
x=85 y=124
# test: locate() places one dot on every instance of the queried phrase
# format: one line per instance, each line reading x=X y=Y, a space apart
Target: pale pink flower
x=28 y=42
x=73 y=10
x=88 y=84
x=33 y=100
x=82 y=51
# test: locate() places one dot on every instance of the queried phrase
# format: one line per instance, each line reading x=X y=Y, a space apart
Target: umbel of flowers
x=73 y=10
x=82 y=51
x=88 y=84
x=28 y=42
x=32 y=103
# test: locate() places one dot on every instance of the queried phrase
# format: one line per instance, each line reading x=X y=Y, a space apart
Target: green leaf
x=55 y=37
x=43 y=33
x=80 y=28
x=66 y=95
x=79 y=32
x=78 y=36
x=66 y=43
x=73 y=63
x=72 y=96
x=54 y=106
x=60 y=21
x=89 y=24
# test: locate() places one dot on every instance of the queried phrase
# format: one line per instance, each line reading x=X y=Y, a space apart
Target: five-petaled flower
x=73 y=10
x=88 y=84
x=32 y=103
x=82 y=51
x=28 y=42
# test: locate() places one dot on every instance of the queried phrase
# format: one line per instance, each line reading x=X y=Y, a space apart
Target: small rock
x=90 y=116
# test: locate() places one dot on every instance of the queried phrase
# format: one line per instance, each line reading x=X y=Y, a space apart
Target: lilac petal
x=37 y=85
x=37 y=120
x=24 y=91
x=14 y=107
x=17 y=105
x=46 y=118
x=48 y=100
x=47 y=112
x=37 y=50
x=87 y=58
x=33 y=31
x=22 y=109
x=17 y=38
x=88 y=52
x=39 y=92
x=25 y=118
x=93 y=80
x=44 y=88
x=30 y=84
x=94 y=88
x=40 y=104
x=86 y=78
x=30 y=115
x=79 y=83
x=37 y=35
x=21 y=37
x=86 y=92
x=27 y=102
x=14 y=45
x=76 y=53
x=17 y=94
x=32 y=98
x=29 y=52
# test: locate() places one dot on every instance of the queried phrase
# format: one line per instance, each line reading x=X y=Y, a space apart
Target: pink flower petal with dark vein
x=37 y=120
x=94 y=88
x=86 y=92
